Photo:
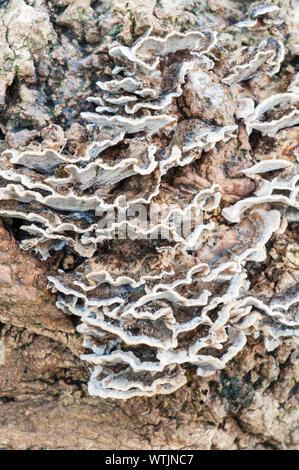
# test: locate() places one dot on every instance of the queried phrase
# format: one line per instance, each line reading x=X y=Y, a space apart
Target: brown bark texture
x=48 y=70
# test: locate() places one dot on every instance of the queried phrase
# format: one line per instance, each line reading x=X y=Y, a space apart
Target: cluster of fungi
x=171 y=130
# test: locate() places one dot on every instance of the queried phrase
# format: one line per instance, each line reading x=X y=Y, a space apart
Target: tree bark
x=44 y=403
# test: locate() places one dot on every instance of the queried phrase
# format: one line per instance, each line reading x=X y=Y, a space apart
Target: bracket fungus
x=262 y=15
x=161 y=283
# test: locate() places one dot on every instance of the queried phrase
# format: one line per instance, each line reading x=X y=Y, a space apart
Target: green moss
x=116 y=30
x=238 y=393
x=129 y=11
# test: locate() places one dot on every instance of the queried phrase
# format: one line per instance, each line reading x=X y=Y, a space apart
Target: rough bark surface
x=44 y=404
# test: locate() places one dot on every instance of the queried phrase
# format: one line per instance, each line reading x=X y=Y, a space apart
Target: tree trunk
x=50 y=70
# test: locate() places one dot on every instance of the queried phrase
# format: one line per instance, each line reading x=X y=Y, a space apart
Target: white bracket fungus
x=154 y=298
